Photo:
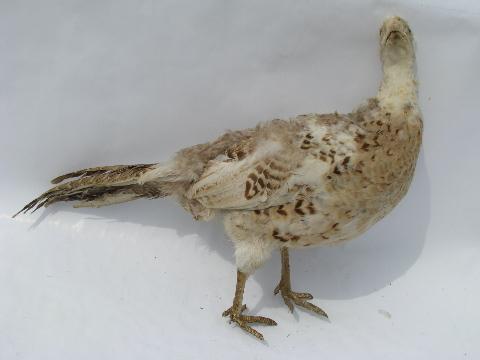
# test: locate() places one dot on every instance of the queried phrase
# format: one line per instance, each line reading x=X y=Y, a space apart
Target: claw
x=250 y=330
x=300 y=299
x=243 y=320
x=288 y=302
x=259 y=319
x=304 y=296
x=277 y=289
x=309 y=306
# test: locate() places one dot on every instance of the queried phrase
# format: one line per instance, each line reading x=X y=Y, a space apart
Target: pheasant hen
x=307 y=181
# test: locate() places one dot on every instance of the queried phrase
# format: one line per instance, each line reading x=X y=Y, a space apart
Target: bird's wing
x=255 y=173
x=280 y=161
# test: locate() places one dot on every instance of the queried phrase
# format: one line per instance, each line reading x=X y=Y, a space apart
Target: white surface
x=85 y=83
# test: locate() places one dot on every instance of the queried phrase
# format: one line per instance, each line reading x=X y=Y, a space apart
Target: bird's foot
x=300 y=299
x=244 y=320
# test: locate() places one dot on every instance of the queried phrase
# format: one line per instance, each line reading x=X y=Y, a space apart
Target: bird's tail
x=107 y=185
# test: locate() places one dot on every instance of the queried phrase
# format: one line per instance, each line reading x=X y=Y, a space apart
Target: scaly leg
x=235 y=312
x=290 y=296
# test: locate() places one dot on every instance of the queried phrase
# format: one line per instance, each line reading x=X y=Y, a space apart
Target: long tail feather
x=102 y=186
x=88 y=172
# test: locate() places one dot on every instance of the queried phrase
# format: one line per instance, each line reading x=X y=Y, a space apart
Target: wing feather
x=256 y=181
x=286 y=156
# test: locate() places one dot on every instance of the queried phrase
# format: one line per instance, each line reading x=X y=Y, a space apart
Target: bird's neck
x=399 y=85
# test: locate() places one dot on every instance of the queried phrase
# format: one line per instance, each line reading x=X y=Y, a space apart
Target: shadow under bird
x=310 y=180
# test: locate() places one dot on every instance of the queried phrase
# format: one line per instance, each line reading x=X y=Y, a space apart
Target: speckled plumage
x=311 y=180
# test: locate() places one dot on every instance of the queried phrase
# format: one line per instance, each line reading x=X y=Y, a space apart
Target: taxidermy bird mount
x=311 y=180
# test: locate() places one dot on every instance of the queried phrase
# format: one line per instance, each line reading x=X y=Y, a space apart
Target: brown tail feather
x=95 y=171
x=101 y=186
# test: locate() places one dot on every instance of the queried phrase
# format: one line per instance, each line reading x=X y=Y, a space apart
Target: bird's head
x=396 y=41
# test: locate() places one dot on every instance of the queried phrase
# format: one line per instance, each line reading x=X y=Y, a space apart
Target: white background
x=87 y=83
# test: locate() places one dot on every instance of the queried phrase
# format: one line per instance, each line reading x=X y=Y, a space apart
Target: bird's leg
x=290 y=297
x=236 y=310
